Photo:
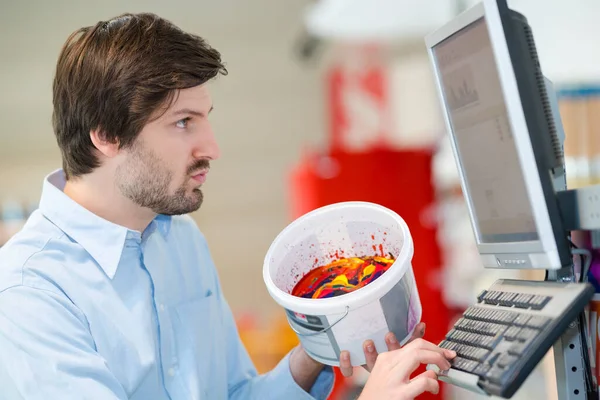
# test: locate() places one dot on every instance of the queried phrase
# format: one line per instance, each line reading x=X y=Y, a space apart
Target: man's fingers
x=414 y=357
x=421 y=385
x=425 y=345
x=391 y=341
x=418 y=332
x=427 y=374
x=370 y=354
x=450 y=354
x=345 y=366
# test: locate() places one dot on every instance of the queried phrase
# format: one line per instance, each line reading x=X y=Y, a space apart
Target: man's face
x=167 y=164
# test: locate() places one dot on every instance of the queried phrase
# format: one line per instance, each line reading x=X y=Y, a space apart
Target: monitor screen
x=483 y=137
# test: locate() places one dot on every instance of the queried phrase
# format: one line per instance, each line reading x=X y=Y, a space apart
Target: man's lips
x=200 y=176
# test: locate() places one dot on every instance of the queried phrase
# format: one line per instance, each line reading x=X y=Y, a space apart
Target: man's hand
x=304 y=369
x=371 y=353
x=390 y=379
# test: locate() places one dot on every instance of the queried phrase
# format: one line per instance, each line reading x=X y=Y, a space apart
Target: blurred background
x=325 y=101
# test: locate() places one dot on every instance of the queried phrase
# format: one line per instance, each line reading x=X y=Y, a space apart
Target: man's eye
x=182 y=123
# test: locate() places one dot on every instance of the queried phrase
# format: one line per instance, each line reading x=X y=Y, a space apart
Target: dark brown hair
x=113 y=76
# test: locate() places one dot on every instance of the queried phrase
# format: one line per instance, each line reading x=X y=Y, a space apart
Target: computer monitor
x=503 y=135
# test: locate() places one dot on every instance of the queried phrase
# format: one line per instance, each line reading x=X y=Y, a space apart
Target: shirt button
x=161 y=307
x=171 y=372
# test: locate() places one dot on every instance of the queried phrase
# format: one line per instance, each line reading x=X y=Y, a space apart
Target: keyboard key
x=445 y=344
x=481 y=327
x=506 y=360
x=491 y=387
x=458 y=336
x=506 y=299
x=473 y=339
x=521 y=320
x=538 y=302
x=503 y=297
x=481 y=296
x=495 y=374
x=527 y=334
x=470 y=312
x=486 y=315
x=464 y=337
x=465 y=324
x=492 y=359
x=512 y=333
x=490 y=315
x=464 y=364
x=471 y=352
x=518 y=348
x=504 y=317
x=488 y=342
x=522 y=301
x=514 y=300
x=482 y=369
x=537 y=322
x=452 y=333
x=474 y=312
x=492 y=297
x=453 y=346
x=509 y=301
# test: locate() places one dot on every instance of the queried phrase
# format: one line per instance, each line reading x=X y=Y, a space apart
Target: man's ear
x=106 y=147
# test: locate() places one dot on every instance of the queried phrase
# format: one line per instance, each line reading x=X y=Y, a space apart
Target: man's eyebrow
x=190 y=111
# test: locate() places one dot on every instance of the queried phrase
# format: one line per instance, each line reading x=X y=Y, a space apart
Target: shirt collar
x=102 y=239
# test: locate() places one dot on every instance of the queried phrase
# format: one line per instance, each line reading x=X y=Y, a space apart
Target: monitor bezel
x=538 y=254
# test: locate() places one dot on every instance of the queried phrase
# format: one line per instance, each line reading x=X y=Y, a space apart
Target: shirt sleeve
x=244 y=382
x=47 y=351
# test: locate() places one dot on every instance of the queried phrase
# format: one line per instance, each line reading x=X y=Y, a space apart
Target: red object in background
x=358 y=101
x=399 y=180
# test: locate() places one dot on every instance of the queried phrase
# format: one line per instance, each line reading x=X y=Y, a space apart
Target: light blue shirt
x=93 y=310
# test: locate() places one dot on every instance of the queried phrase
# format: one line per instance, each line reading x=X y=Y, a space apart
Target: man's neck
x=100 y=196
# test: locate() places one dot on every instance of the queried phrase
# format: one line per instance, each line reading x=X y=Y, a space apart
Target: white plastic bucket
x=327 y=326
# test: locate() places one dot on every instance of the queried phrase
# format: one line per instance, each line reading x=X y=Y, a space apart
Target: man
x=108 y=292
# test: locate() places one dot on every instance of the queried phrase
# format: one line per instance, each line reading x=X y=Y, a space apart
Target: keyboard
x=500 y=339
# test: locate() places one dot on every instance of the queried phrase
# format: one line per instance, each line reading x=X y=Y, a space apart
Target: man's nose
x=207 y=146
